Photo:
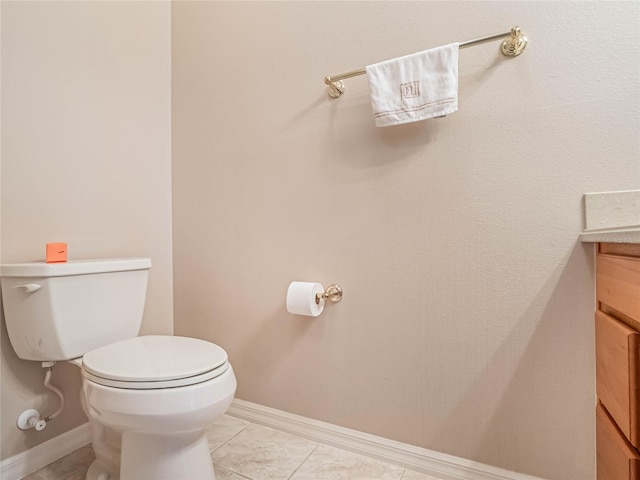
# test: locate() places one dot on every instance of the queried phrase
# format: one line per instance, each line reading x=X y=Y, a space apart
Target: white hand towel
x=415 y=87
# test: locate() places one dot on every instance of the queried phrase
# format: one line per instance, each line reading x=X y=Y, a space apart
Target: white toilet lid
x=154 y=361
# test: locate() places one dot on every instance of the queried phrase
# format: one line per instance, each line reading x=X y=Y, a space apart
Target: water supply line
x=47 y=380
x=31 y=418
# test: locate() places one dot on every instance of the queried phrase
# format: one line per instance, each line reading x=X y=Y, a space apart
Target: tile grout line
x=229 y=469
x=224 y=443
x=234 y=472
x=229 y=439
x=303 y=461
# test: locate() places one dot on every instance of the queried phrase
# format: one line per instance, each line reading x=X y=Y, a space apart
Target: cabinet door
x=616 y=458
x=617 y=372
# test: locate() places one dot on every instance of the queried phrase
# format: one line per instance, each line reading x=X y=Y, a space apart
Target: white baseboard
x=27 y=462
x=445 y=467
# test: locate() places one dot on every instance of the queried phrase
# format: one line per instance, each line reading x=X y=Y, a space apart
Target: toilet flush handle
x=29 y=287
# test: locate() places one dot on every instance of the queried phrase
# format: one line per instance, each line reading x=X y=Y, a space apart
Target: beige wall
x=466 y=324
x=86 y=151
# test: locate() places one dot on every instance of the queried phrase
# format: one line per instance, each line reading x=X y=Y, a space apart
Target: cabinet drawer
x=618 y=284
x=617 y=372
x=616 y=458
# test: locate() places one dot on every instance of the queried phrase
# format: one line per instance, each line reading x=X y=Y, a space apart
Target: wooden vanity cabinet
x=617 y=324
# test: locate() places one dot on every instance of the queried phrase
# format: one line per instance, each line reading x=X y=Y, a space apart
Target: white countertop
x=612 y=217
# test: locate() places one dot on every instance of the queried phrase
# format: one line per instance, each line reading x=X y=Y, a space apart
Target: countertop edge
x=631 y=235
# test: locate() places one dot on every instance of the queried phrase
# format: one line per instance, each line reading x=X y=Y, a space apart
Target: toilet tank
x=60 y=311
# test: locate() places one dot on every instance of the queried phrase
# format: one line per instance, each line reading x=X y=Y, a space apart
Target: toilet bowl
x=149 y=399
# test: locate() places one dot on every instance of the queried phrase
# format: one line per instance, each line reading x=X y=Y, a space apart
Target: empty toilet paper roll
x=301 y=298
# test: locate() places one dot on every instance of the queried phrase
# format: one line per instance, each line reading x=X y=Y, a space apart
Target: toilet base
x=149 y=457
x=166 y=457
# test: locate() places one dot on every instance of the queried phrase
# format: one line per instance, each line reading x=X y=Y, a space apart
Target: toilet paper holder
x=332 y=293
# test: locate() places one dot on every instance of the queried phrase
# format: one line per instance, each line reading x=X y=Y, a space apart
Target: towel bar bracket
x=515 y=44
x=335 y=89
x=512 y=46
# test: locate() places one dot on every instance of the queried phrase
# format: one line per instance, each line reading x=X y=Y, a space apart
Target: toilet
x=149 y=399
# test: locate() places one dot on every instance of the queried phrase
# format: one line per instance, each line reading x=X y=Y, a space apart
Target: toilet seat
x=153 y=362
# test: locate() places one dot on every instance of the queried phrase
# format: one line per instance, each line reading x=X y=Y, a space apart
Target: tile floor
x=245 y=451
